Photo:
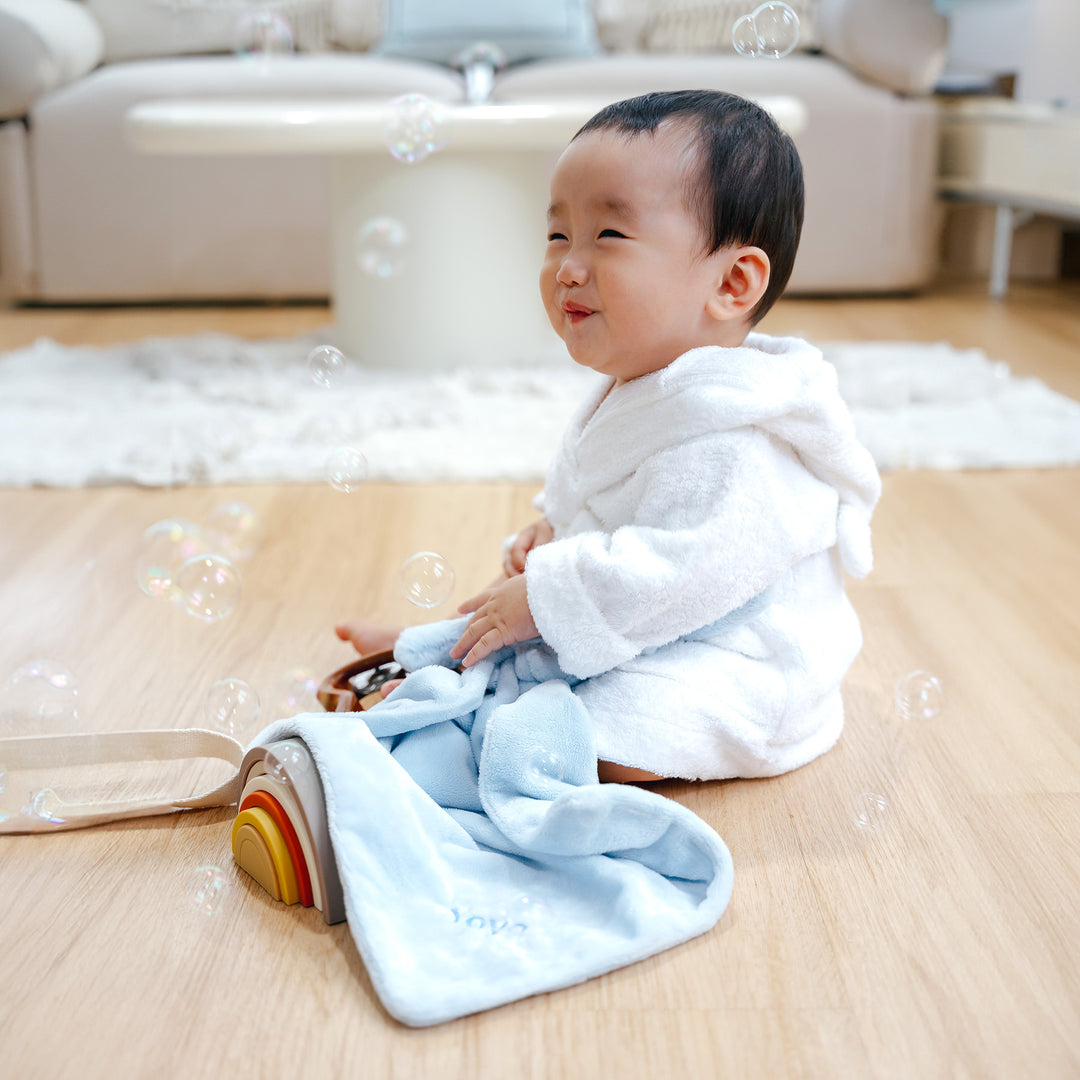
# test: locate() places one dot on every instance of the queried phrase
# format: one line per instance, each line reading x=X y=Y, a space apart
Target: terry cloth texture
x=676 y=499
x=481 y=861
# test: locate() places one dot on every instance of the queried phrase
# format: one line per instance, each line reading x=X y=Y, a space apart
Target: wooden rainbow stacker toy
x=280 y=835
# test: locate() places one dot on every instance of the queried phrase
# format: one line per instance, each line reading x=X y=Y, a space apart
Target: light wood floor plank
x=945 y=942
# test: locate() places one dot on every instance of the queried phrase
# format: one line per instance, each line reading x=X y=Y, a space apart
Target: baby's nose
x=572 y=271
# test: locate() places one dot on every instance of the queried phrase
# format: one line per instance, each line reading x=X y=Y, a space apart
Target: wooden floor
x=945 y=942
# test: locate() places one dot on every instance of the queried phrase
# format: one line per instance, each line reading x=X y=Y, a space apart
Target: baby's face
x=623 y=279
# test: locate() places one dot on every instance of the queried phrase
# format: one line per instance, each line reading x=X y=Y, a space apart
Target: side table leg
x=1004 y=223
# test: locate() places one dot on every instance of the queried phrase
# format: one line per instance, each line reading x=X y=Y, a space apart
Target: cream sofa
x=85 y=218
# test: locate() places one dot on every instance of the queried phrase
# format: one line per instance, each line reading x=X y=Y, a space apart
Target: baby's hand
x=501 y=617
x=534 y=535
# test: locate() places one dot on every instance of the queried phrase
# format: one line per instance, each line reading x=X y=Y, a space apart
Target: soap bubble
x=46 y=805
x=777 y=29
x=346 y=469
x=918 y=696
x=208 y=889
x=295 y=693
x=262 y=34
x=284 y=760
x=39 y=697
x=326 y=365
x=871 y=811
x=530 y=921
x=744 y=37
x=547 y=765
x=772 y=29
x=234 y=530
x=415 y=128
x=164 y=547
x=232 y=706
x=381 y=243
x=209 y=586
x=426 y=579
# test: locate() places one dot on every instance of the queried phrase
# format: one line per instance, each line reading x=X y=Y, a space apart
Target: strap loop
x=46 y=752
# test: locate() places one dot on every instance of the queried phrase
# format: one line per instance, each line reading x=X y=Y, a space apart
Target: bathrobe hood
x=799 y=402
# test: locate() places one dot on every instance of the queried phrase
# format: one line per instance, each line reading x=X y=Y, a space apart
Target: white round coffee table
x=473 y=214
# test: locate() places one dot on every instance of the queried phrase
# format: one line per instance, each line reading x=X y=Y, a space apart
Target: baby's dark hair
x=748 y=187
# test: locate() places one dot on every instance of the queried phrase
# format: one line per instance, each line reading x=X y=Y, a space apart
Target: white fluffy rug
x=216 y=409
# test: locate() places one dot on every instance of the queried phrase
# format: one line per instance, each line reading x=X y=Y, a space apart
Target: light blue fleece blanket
x=480 y=858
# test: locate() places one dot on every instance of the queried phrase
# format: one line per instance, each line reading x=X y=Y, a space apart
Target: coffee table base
x=466 y=290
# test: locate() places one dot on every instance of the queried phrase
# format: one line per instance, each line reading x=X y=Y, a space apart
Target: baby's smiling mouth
x=576 y=312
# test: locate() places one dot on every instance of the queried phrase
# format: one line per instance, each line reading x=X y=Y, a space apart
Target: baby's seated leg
x=368 y=637
x=610 y=773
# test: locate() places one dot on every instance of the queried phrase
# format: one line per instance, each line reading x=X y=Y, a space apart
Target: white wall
x=1038 y=40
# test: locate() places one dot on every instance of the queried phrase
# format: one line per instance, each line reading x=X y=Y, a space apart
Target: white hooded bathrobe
x=704 y=516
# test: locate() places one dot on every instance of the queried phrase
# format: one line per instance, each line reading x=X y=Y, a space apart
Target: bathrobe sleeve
x=697 y=530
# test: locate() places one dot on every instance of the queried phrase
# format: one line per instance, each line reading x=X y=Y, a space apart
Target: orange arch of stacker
x=265 y=801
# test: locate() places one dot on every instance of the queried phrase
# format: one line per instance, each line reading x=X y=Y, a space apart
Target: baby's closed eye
x=613 y=232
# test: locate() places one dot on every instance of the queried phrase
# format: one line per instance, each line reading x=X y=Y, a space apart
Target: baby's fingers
x=517 y=558
x=488 y=643
x=469 y=637
x=474 y=603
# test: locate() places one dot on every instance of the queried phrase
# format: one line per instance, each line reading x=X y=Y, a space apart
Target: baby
x=706 y=500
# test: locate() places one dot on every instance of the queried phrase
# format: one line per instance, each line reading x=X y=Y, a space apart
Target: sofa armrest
x=43 y=44
x=899 y=44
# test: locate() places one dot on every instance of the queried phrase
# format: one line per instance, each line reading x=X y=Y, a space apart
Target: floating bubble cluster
x=346 y=469
x=415 y=128
x=234 y=530
x=262 y=34
x=232 y=707
x=179 y=560
x=426 y=579
x=165 y=547
x=871 y=811
x=209 y=889
x=918 y=696
x=772 y=30
x=39 y=697
x=209 y=586
x=381 y=245
x=326 y=365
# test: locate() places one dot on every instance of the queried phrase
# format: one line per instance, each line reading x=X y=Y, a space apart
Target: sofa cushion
x=138 y=29
x=43 y=44
x=355 y=24
x=901 y=44
x=686 y=26
x=524 y=30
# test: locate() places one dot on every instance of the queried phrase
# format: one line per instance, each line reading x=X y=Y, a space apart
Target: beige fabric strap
x=45 y=752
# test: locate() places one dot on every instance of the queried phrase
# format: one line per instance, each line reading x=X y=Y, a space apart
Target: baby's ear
x=742 y=278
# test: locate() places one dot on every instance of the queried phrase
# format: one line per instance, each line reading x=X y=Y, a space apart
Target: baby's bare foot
x=368 y=637
x=388 y=688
